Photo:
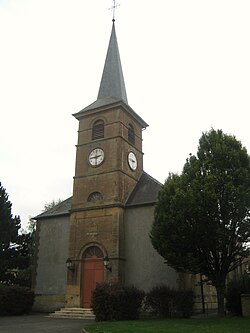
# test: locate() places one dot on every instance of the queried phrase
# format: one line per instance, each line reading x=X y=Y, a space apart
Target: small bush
x=234 y=289
x=115 y=302
x=131 y=303
x=159 y=301
x=15 y=300
x=184 y=303
x=101 y=302
x=166 y=302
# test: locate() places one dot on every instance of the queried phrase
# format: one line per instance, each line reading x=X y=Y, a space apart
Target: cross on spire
x=113 y=8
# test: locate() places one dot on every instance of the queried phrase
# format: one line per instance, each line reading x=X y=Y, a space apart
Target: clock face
x=96 y=157
x=132 y=161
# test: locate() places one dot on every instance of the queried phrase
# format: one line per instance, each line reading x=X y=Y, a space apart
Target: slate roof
x=62 y=208
x=112 y=90
x=145 y=191
x=112 y=86
x=112 y=82
x=108 y=103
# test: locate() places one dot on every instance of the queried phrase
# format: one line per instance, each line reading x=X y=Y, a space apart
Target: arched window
x=93 y=251
x=95 y=196
x=131 y=134
x=98 y=130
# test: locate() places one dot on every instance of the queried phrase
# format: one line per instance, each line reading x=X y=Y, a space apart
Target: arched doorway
x=92 y=273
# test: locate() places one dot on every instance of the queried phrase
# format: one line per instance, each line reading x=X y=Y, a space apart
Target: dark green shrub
x=116 y=302
x=235 y=288
x=165 y=302
x=131 y=303
x=101 y=304
x=159 y=301
x=15 y=300
x=184 y=303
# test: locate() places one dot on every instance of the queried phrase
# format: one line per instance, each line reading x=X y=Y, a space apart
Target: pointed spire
x=112 y=82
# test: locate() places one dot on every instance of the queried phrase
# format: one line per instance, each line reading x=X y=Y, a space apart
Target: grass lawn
x=204 y=325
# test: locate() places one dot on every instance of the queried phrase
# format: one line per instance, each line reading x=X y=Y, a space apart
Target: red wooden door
x=92 y=273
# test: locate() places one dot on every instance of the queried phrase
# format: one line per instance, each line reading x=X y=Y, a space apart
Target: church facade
x=102 y=232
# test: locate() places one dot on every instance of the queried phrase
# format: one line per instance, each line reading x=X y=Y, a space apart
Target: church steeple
x=112 y=82
x=112 y=88
x=109 y=164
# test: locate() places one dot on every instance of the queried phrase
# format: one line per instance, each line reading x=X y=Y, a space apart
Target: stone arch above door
x=93 y=251
x=92 y=273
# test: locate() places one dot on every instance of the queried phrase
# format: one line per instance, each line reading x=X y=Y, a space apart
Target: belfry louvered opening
x=98 y=130
x=131 y=134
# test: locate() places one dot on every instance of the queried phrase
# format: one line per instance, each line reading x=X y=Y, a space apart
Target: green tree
x=17 y=246
x=202 y=219
x=51 y=204
x=9 y=227
x=25 y=251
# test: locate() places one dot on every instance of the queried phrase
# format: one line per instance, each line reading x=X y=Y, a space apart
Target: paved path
x=41 y=324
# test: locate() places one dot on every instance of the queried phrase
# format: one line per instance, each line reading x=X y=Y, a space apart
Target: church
x=101 y=233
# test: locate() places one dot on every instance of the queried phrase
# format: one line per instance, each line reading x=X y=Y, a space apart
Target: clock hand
x=96 y=156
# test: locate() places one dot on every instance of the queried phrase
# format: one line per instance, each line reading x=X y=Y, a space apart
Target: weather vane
x=113 y=8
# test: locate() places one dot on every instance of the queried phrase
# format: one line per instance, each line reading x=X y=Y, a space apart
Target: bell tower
x=109 y=163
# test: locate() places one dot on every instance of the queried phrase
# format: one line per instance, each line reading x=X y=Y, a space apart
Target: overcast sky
x=186 y=65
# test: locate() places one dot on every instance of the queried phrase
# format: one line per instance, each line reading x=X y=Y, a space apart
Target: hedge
x=166 y=302
x=15 y=300
x=116 y=302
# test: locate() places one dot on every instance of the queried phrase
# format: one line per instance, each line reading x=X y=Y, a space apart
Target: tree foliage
x=25 y=249
x=15 y=246
x=51 y=204
x=9 y=227
x=202 y=219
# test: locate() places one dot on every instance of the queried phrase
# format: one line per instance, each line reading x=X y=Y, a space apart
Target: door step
x=73 y=313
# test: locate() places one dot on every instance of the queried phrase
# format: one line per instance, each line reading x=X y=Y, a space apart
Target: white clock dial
x=132 y=161
x=96 y=157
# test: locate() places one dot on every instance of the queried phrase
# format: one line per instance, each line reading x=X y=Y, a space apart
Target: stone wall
x=48 y=303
